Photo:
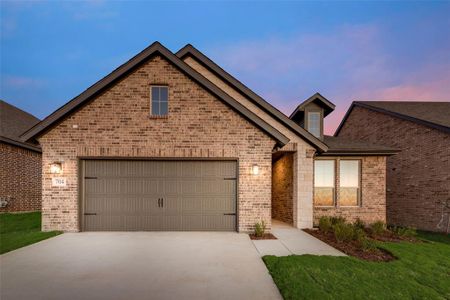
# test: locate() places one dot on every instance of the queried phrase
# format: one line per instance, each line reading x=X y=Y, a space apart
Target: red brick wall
x=20 y=178
x=373 y=193
x=418 y=178
x=283 y=189
x=117 y=124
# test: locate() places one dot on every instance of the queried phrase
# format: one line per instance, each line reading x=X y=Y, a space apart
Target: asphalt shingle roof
x=433 y=112
x=339 y=145
x=14 y=122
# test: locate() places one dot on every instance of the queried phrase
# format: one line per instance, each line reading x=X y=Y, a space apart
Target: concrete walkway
x=293 y=241
x=137 y=265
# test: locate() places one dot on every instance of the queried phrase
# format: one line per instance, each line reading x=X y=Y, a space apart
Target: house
x=170 y=141
x=20 y=162
x=418 y=178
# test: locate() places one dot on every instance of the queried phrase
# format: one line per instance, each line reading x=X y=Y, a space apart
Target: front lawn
x=422 y=271
x=21 y=229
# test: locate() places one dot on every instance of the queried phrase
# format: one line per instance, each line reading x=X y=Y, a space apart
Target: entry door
x=121 y=195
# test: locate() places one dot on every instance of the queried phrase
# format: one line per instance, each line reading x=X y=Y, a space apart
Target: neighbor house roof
x=151 y=51
x=191 y=51
x=345 y=146
x=431 y=114
x=14 y=122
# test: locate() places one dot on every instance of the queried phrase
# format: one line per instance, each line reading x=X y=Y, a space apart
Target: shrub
x=378 y=227
x=260 y=229
x=343 y=232
x=368 y=244
x=337 y=220
x=325 y=224
x=359 y=234
x=404 y=231
x=359 y=224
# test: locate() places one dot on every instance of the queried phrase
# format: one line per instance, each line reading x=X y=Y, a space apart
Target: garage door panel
x=159 y=195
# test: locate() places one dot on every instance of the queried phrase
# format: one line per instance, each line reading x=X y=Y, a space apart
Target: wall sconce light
x=255 y=169
x=56 y=168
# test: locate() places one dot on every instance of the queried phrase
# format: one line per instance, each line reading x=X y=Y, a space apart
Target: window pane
x=349 y=182
x=155 y=93
x=324 y=182
x=314 y=123
x=163 y=109
x=163 y=94
x=155 y=108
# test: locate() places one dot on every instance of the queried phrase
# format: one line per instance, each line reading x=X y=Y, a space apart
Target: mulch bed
x=389 y=236
x=266 y=236
x=352 y=248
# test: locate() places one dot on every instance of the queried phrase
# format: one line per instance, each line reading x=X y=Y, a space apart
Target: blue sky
x=285 y=51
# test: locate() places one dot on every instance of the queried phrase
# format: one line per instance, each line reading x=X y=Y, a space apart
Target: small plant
x=359 y=224
x=344 y=232
x=337 y=220
x=378 y=227
x=260 y=228
x=325 y=224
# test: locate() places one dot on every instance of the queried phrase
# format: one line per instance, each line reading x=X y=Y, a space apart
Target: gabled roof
x=13 y=122
x=190 y=51
x=320 y=100
x=345 y=146
x=432 y=114
x=154 y=49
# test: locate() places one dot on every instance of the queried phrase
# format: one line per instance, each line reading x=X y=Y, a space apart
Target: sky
x=285 y=51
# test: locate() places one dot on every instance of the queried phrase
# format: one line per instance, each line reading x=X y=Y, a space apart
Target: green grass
x=422 y=271
x=21 y=229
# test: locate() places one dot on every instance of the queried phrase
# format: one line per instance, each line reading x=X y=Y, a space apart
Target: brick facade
x=418 y=178
x=373 y=193
x=117 y=124
x=303 y=156
x=20 y=178
x=282 y=188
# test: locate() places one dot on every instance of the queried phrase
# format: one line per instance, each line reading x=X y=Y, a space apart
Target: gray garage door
x=158 y=195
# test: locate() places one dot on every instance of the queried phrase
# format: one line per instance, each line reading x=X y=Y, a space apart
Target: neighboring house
x=418 y=178
x=173 y=142
x=20 y=162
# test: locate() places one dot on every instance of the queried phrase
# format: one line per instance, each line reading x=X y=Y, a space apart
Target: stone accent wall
x=373 y=193
x=418 y=189
x=20 y=178
x=117 y=124
x=282 y=188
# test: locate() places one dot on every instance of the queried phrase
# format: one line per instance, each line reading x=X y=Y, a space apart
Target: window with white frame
x=314 y=123
x=349 y=182
x=324 y=182
x=159 y=100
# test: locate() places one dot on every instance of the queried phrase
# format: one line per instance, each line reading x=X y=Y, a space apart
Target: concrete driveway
x=137 y=265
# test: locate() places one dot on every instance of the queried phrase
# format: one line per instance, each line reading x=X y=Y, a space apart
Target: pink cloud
x=347 y=64
x=19 y=82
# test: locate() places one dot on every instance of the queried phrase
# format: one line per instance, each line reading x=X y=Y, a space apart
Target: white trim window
x=349 y=182
x=324 y=182
x=314 y=123
x=159 y=100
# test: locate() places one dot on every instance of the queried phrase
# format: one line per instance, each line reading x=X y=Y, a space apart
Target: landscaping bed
x=359 y=239
x=352 y=248
x=21 y=229
x=265 y=236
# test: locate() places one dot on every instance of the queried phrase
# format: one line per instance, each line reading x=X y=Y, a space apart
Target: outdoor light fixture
x=255 y=169
x=56 y=168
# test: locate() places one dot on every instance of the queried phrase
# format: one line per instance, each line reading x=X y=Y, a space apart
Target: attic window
x=314 y=123
x=159 y=101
